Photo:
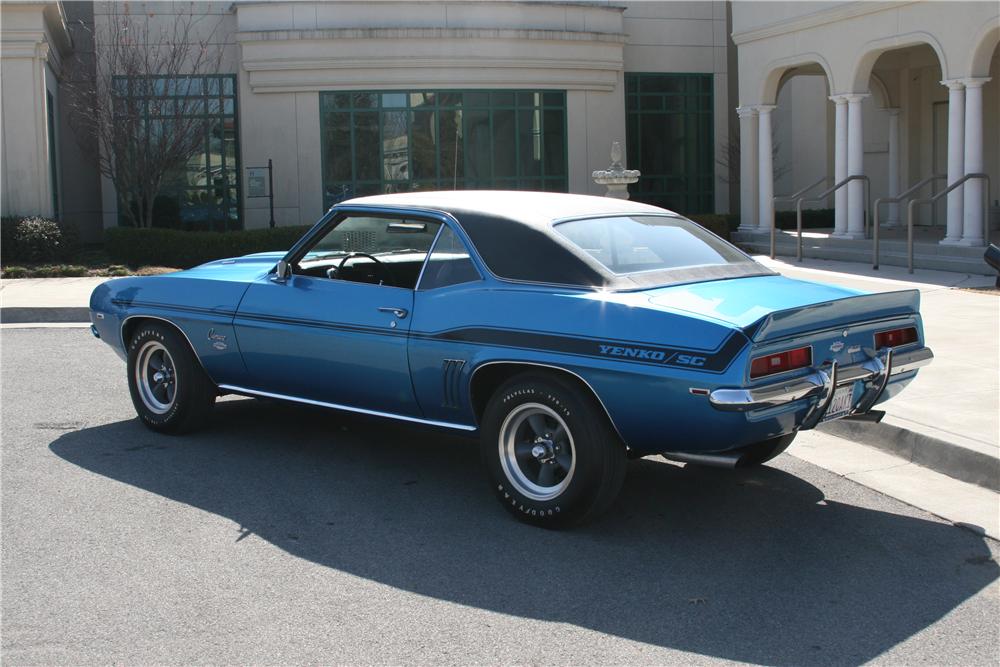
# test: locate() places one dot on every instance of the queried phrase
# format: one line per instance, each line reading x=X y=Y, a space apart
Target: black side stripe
x=169 y=306
x=715 y=361
x=712 y=361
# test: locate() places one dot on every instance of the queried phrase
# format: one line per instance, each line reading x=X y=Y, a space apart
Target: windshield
x=636 y=243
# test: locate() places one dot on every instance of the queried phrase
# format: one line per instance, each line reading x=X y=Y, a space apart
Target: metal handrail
x=801 y=192
x=934 y=198
x=894 y=200
x=792 y=197
x=818 y=198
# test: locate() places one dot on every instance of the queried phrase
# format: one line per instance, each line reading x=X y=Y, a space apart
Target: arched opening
x=802 y=130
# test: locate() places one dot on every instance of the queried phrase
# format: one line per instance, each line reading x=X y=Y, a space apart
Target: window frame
x=335 y=216
x=702 y=154
x=124 y=86
x=327 y=104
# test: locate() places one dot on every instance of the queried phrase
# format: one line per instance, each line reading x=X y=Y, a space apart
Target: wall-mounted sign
x=257 y=181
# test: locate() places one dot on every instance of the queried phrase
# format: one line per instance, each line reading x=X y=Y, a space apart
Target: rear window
x=636 y=243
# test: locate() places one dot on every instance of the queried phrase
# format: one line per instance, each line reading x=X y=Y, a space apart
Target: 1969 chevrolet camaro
x=569 y=332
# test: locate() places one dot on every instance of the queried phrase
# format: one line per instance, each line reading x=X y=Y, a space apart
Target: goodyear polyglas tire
x=551 y=455
x=170 y=390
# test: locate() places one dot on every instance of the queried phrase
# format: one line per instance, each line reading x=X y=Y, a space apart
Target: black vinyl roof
x=513 y=232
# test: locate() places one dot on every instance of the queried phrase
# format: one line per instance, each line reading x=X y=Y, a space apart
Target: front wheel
x=170 y=390
x=551 y=454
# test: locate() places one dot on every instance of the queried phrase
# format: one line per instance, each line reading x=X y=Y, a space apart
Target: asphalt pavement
x=289 y=535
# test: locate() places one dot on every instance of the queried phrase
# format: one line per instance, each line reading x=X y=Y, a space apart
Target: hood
x=238 y=269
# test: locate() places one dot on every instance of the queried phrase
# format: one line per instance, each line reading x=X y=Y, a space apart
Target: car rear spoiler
x=829 y=314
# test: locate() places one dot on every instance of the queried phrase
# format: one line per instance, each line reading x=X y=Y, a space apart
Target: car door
x=335 y=330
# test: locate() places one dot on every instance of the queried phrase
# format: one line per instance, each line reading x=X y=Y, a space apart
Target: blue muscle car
x=568 y=332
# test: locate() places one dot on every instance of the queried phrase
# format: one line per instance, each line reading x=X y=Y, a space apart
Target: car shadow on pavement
x=751 y=565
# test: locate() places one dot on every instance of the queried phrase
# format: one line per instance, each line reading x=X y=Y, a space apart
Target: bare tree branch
x=140 y=105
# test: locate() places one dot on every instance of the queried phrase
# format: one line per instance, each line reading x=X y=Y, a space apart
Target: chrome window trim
x=465 y=243
x=427 y=258
x=347 y=408
x=337 y=214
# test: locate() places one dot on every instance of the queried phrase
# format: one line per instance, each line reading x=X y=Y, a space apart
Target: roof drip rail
x=930 y=200
x=894 y=200
x=793 y=197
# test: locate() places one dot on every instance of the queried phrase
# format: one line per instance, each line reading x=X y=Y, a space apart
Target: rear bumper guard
x=822 y=383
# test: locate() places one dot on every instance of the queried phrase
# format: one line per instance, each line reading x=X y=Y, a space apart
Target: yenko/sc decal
x=652 y=355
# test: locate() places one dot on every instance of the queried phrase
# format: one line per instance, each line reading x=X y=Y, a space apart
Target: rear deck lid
x=772 y=307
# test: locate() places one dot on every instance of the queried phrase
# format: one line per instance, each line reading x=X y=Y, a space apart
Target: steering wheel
x=381 y=268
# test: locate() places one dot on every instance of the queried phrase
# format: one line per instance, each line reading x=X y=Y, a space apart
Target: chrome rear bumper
x=822 y=382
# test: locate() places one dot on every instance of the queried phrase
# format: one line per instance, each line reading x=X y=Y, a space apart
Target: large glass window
x=204 y=191
x=669 y=137
x=381 y=142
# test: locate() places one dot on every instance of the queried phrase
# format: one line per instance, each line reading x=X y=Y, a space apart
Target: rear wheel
x=551 y=455
x=765 y=450
x=170 y=390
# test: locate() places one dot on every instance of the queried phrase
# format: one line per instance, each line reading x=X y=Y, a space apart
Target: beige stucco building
x=444 y=94
x=895 y=91
x=350 y=97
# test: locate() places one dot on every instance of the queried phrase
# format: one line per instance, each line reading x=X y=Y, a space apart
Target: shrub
x=172 y=247
x=8 y=244
x=717 y=224
x=812 y=218
x=38 y=240
x=10 y=272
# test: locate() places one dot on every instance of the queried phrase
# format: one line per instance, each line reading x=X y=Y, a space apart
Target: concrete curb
x=924 y=450
x=43 y=315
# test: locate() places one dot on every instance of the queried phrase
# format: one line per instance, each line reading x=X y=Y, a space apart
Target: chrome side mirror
x=282 y=272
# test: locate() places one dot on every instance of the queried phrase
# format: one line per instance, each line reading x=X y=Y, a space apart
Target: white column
x=956 y=160
x=748 y=168
x=765 y=169
x=840 y=165
x=893 y=219
x=856 y=204
x=972 y=233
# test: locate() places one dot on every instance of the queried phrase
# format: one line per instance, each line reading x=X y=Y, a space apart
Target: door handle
x=398 y=312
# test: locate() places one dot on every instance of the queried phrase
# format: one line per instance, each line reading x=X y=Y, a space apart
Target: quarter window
x=449 y=264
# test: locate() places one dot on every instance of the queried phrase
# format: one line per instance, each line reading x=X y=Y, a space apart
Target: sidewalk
x=947 y=420
x=48 y=300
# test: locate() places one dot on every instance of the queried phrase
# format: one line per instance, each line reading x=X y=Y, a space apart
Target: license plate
x=841 y=403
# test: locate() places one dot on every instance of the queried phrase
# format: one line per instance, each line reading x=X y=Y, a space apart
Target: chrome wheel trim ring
x=155 y=373
x=520 y=471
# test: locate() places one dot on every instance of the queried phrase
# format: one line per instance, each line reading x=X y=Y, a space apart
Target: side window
x=371 y=249
x=449 y=263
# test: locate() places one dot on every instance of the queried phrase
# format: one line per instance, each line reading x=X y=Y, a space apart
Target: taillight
x=895 y=337
x=780 y=362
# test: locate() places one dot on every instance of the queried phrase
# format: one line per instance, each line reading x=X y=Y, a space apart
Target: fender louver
x=451 y=375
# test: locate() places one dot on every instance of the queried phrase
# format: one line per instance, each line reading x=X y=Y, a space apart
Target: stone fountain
x=616 y=177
